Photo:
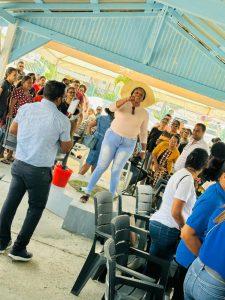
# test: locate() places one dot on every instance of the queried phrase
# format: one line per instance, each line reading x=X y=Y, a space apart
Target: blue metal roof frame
x=176 y=41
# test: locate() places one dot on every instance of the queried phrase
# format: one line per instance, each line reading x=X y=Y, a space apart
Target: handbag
x=90 y=141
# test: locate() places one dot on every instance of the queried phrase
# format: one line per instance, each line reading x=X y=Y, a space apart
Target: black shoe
x=3 y=248
x=21 y=255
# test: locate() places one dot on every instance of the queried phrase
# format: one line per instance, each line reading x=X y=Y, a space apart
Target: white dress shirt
x=193 y=144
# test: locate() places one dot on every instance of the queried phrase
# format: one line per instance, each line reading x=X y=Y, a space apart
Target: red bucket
x=61 y=176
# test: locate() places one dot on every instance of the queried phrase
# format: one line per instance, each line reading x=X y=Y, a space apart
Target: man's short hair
x=53 y=90
x=20 y=62
x=202 y=126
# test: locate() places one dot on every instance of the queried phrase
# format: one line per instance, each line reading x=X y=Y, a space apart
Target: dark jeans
x=36 y=181
x=163 y=240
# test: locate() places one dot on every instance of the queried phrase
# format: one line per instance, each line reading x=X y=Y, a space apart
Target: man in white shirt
x=196 y=141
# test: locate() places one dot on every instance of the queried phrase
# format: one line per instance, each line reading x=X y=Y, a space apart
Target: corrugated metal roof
x=127 y=37
x=174 y=53
x=177 y=55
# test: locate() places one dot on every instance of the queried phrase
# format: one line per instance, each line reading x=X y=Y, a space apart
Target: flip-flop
x=84 y=199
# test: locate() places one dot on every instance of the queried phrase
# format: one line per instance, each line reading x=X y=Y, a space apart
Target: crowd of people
x=189 y=225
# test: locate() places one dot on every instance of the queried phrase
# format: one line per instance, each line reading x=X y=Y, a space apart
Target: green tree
x=158 y=115
x=122 y=79
x=51 y=69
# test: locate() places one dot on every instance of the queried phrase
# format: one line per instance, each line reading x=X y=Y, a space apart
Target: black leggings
x=179 y=282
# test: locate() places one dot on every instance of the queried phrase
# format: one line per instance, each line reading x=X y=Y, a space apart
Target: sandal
x=84 y=199
x=5 y=161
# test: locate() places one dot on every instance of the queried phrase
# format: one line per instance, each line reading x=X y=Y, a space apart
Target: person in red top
x=83 y=90
x=39 y=84
x=20 y=96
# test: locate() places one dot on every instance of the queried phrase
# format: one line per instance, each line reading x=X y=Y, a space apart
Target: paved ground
x=58 y=257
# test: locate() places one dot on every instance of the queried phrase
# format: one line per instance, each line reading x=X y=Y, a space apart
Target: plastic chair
x=159 y=190
x=123 y=286
x=125 y=178
x=95 y=261
x=129 y=285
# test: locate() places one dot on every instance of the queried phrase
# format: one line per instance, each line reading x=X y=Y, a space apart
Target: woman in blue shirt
x=194 y=230
x=205 y=279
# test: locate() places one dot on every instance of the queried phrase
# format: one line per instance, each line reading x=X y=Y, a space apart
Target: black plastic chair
x=143 y=208
x=121 y=235
x=158 y=194
x=129 y=285
x=95 y=261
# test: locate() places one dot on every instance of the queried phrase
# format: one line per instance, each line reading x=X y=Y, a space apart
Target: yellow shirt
x=171 y=159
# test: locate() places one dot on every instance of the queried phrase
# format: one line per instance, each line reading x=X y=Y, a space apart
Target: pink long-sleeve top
x=128 y=125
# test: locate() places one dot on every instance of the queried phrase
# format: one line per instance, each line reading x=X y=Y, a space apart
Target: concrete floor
x=58 y=258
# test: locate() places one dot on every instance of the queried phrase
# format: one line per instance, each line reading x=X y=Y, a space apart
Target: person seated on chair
x=163 y=158
x=177 y=203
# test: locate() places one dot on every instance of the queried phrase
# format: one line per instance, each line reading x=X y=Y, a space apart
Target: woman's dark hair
x=23 y=80
x=110 y=113
x=215 y=166
x=41 y=77
x=177 y=136
x=32 y=75
x=176 y=121
x=54 y=90
x=168 y=115
x=9 y=71
x=218 y=150
x=83 y=86
x=166 y=134
x=139 y=88
x=76 y=81
x=216 y=140
x=197 y=159
x=69 y=88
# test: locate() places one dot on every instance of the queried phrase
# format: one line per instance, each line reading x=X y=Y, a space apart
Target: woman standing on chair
x=131 y=120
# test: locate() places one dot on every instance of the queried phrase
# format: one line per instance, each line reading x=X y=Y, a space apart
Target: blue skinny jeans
x=114 y=148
